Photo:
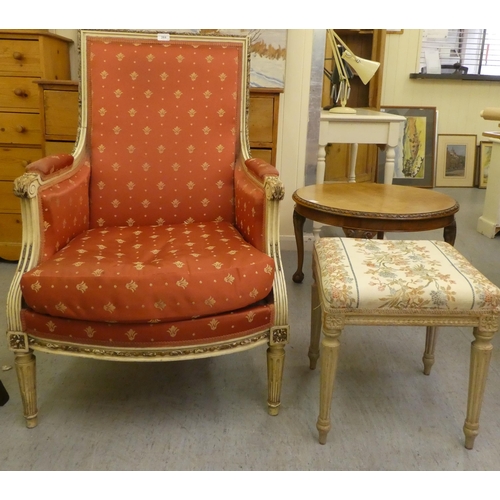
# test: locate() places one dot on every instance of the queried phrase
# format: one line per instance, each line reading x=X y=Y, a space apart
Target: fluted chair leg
x=275 y=364
x=26 y=375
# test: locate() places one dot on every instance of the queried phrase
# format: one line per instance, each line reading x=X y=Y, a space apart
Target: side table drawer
x=19 y=93
x=20 y=128
x=20 y=57
x=13 y=161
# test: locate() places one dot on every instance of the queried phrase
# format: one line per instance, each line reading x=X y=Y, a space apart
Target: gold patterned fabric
x=65 y=210
x=223 y=327
x=400 y=275
x=150 y=273
x=164 y=124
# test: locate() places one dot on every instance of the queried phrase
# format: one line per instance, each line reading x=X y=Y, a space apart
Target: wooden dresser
x=26 y=56
x=59 y=115
x=263 y=123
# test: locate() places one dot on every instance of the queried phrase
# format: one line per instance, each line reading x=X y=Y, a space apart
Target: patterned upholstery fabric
x=400 y=275
x=164 y=125
x=150 y=273
x=226 y=326
x=65 y=211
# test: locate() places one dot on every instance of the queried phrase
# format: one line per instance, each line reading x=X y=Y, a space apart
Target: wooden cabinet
x=26 y=56
x=58 y=115
x=263 y=123
x=368 y=44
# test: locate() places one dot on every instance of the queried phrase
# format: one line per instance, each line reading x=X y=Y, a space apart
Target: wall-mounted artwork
x=456 y=160
x=267 y=54
x=414 y=162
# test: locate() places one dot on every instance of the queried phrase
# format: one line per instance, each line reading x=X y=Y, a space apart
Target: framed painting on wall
x=415 y=153
x=456 y=159
x=484 y=162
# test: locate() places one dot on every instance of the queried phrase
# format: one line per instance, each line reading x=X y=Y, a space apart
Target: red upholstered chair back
x=163 y=128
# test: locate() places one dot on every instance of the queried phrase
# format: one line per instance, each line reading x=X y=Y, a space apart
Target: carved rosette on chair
x=158 y=238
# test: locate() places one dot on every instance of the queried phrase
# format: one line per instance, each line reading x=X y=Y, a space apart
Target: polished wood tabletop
x=368 y=210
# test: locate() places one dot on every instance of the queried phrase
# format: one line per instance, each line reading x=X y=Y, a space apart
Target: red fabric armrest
x=260 y=168
x=50 y=164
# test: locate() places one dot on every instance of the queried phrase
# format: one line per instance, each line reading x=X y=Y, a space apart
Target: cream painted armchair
x=158 y=238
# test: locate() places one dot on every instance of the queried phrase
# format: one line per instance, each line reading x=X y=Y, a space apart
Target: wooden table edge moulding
x=368 y=210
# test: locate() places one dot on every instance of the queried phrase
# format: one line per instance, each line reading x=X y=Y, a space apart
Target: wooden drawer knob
x=25 y=163
x=18 y=56
x=20 y=129
x=20 y=92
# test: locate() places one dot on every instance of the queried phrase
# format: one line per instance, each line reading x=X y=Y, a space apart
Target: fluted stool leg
x=430 y=345
x=330 y=346
x=315 y=327
x=479 y=363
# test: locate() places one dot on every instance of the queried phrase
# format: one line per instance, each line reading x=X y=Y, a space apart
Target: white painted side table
x=366 y=126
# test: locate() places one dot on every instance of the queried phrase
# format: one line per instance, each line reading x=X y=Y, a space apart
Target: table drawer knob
x=21 y=129
x=20 y=92
x=18 y=56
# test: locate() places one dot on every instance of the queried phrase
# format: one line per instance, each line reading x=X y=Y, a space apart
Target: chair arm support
x=54 y=196
x=258 y=192
x=54 y=208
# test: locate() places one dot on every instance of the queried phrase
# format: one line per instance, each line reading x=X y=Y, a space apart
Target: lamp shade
x=363 y=67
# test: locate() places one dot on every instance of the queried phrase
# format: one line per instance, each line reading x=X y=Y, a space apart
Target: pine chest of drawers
x=26 y=56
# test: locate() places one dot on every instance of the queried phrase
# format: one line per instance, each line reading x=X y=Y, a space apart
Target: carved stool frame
x=332 y=322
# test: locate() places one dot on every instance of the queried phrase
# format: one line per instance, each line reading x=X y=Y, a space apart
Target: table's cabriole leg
x=298 y=226
x=479 y=363
x=450 y=233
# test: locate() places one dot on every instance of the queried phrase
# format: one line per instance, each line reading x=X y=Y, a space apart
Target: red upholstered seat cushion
x=150 y=273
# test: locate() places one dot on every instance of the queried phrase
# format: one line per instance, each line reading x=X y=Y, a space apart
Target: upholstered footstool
x=398 y=282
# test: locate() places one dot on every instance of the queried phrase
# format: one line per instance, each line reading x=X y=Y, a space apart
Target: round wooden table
x=366 y=210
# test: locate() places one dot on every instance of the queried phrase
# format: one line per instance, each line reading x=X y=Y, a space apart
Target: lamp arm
x=344 y=87
x=336 y=37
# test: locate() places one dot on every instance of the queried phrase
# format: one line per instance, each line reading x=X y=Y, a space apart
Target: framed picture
x=456 y=160
x=415 y=154
x=484 y=162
